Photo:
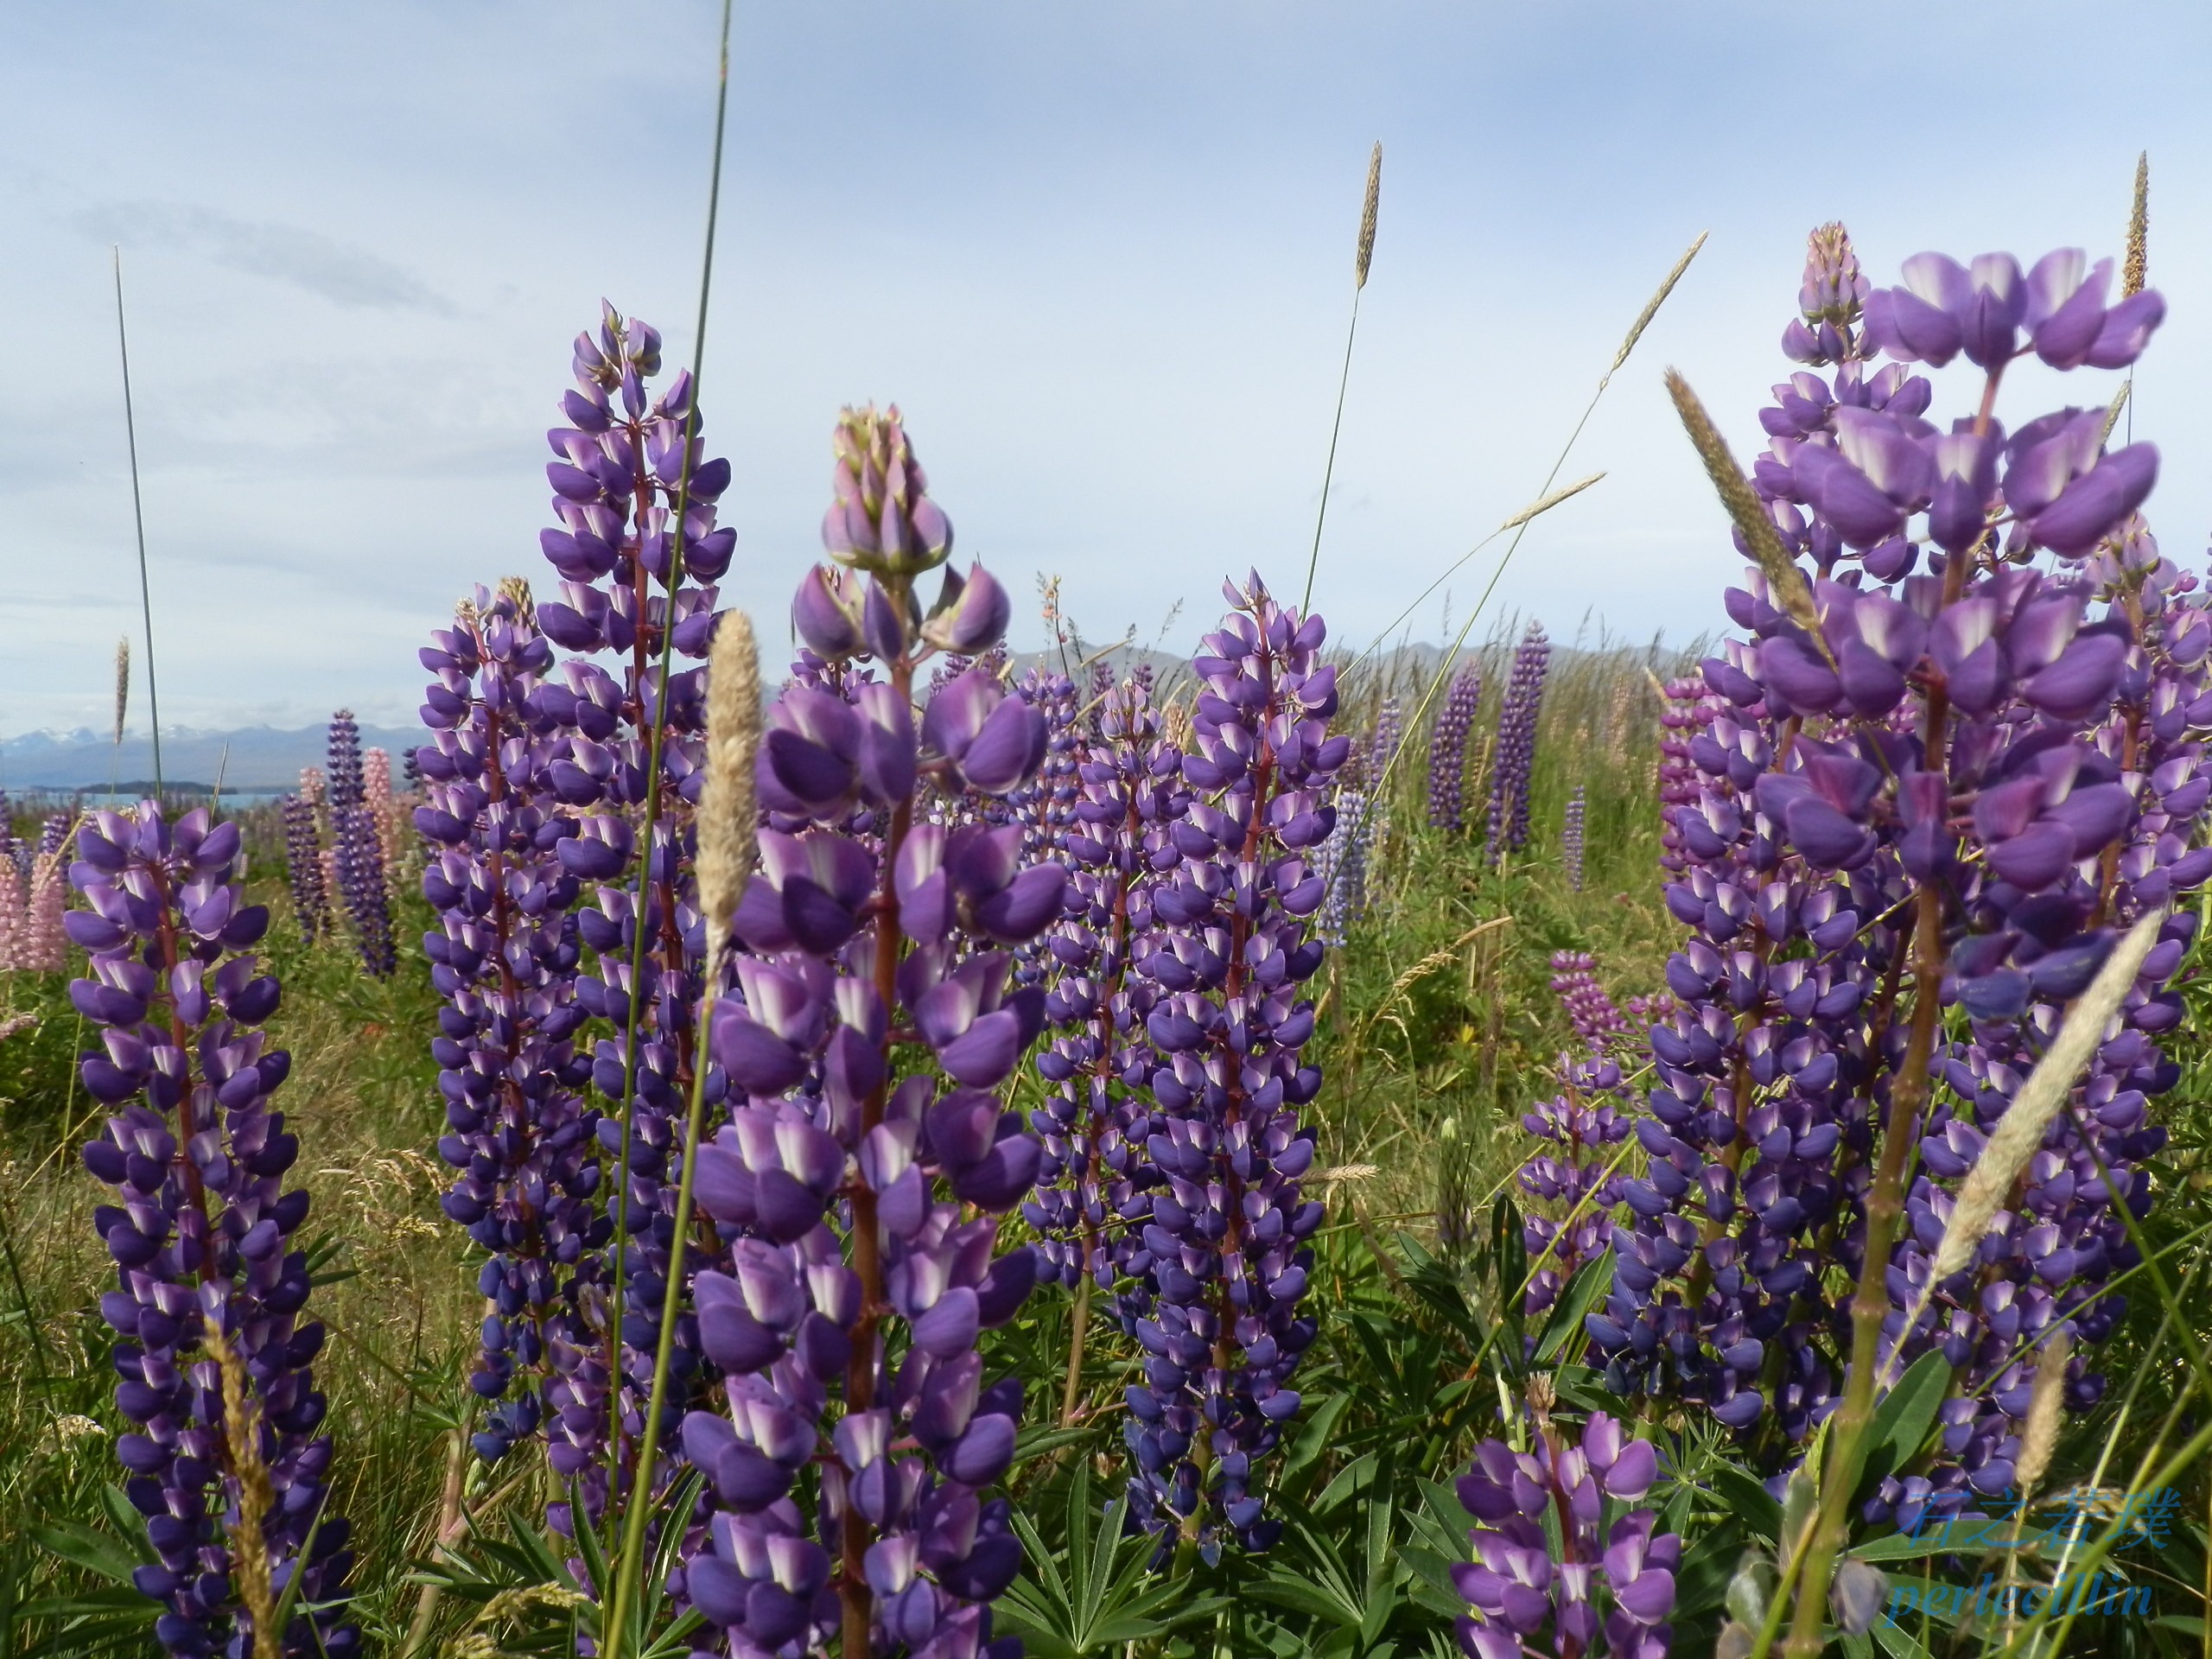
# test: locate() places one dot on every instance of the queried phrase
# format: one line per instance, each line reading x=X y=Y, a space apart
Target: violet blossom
x=359 y=849
x=303 y=868
x=1447 y=749
x=1515 y=759
x=1600 y=1590
x=203 y=1232
x=2006 y=756
x=504 y=956
x=1224 y=1256
x=624 y=460
x=849 y=1491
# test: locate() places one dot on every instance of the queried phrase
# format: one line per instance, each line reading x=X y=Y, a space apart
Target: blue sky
x=1101 y=255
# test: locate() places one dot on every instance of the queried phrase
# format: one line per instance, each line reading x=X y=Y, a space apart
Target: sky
x=1100 y=255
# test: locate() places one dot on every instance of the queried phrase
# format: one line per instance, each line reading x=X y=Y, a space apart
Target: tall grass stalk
x=138 y=518
x=726 y=815
x=613 y=1631
x=1362 y=258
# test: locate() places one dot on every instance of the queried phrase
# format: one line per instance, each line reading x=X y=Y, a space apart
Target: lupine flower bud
x=882 y=519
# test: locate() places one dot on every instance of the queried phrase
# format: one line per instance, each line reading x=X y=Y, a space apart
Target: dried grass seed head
x=728 y=812
x=1367 y=214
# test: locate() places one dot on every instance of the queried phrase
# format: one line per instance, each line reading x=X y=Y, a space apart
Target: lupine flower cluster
x=1587 y=1006
x=1345 y=855
x=1092 y=1187
x=201 y=1231
x=33 y=893
x=504 y=956
x=624 y=462
x=1590 y=1114
x=1044 y=806
x=1570 y=837
x=1223 y=1256
x=1919 y=789
x=849 y=1172
x=396 y=845
x=1447 y=750
x=1516 y=758
x=358 y=848
x=1688 y=707
x=303 y=868
x=1599 y=1590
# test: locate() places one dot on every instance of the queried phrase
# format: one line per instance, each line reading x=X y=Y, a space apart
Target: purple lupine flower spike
x=1516 y=745
x=867 y=1151
x=2007 y=756
x=1600 y=1590
x=202 y=1228
x=1343 y=865
x=1588 y=1008
x=1447 y=750
x=1360 y=812
x=504 y=956
x=360 y=851
x=1570 y=838
x=625 y=459
x=1590 y=1114
x=1091 y=1197
x=303 y=867
x=1224 y=1257
x=1687 y=709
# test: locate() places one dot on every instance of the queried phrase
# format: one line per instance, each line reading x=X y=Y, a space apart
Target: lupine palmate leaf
x=1099 y=1594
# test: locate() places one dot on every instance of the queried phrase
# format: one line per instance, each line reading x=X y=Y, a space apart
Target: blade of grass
x=631 y=1559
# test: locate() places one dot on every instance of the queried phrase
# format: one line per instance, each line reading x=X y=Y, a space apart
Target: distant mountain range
x=256 y=760
x=265 y=759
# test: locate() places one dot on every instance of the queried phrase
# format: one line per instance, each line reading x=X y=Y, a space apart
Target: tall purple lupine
x=1447 y=750
x=1523 y=1590
x=1581 y=1125
x=847 y=1489
x=623 y=465
x=1092 y=1189
x=1515 y=759
x=1224 y=1257
x=1343 y=866
x=1360 y=813
x=1100 y=1059
x=202 y=1228
x=504 y=956
x=360 y=854
x=303 y=868
x=1950 y=750
x=2047 y=1258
